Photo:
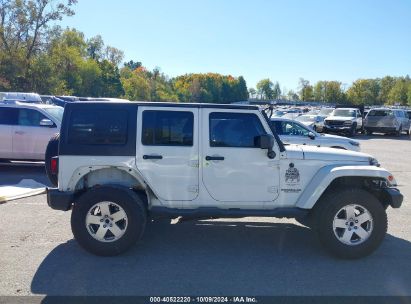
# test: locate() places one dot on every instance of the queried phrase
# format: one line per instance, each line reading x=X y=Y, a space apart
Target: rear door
x=29 y=138
x=8 y=118
x=167 y=151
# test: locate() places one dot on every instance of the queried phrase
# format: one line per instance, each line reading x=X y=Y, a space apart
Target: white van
x=26 y=97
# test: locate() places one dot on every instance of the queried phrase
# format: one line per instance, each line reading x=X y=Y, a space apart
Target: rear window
x=380 y=113
x=98 y=127
x=8 y=116
x=167 y=128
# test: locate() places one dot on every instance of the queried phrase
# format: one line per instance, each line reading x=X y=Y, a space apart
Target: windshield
x=344 y=113
x=380 y=113
x=306 y=118
x=56 y=113
x=326 y=111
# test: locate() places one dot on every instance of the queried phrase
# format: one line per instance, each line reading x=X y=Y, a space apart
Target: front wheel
x=107 y=221
x=351 y=223
x=353 y=130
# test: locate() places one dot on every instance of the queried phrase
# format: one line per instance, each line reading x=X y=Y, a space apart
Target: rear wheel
x=351 y=223
x=107 y=221
x=51 y=151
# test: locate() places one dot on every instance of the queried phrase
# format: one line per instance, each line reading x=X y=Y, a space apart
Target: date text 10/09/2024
x=203 y=300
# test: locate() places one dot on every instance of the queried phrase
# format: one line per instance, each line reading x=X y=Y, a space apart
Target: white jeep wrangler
x=119 y=164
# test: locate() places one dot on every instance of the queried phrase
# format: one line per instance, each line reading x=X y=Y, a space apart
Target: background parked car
x=315 y=122
x=385 y=120
x=294 y=132
x=24 y=97
x=344 y=120
x=25 y=129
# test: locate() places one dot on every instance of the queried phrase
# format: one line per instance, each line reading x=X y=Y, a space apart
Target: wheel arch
x=106 y=176
x=330 y=178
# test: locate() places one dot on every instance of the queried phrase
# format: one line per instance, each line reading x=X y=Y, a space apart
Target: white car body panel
x=323 y=178
x=6 y=141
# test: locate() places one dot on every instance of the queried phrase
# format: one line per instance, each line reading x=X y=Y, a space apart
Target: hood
x=325 y=154
x=338 y=138
x=339 y=118
x=307 y=123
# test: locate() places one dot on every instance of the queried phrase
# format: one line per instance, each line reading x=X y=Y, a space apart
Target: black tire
x=398 y=133
x=353 y=130
x=51 y=151
x=327 y=209
x=315 y=128
x=133 y=207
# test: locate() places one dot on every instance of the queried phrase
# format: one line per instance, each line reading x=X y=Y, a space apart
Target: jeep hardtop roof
x=163 y=104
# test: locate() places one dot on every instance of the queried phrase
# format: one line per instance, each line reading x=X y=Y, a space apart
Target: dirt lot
x=252 y=256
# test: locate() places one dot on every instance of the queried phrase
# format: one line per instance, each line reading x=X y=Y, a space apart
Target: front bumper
x=58 y=200
x=337 y=128
x=381 y=129
x=393 y=197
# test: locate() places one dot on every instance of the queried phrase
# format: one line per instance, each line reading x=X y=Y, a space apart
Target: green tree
x=399 y=93
x=265 y=89
x=364 y=91
x=306 y=90
x=386 y=85
x=276 y=91
x=24 y=31
x=242 y=92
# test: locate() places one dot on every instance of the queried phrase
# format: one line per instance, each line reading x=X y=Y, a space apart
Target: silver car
x=385 y=120
x=26 y=128
x=294 y=132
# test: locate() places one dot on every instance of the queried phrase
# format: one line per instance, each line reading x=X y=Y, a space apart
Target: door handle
x=152 y=157
x=19 y=132
x=208 y=158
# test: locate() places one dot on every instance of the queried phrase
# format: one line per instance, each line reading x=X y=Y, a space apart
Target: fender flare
x=326 y=175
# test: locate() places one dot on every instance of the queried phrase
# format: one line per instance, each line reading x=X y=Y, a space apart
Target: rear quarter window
x=102 y=127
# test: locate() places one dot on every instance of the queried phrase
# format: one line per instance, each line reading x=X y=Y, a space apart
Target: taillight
x=54 y=165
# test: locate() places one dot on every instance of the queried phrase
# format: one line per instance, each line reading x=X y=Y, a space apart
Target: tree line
x=379 y=91
x=38 y=55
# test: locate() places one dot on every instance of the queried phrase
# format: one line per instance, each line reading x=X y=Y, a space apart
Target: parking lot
x=251 y=256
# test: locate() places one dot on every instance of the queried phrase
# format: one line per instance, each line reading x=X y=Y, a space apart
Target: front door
x=29 y=138
x=234 y=169
x=167 y=151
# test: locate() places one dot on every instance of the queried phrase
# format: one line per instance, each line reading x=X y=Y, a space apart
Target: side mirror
x=311 y=135
x=46 y=123
x=266 y=141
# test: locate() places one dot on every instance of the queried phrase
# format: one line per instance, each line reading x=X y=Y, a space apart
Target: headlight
x=354 y=143
x=348 y=122
x=374 y=162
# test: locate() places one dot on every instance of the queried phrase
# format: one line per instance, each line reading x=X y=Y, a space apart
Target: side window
x=290 y=128
x=8 y=116
x=98 y=127
x=234 y=129
x=28 y=117
x=278 y=127
x=167 y=128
